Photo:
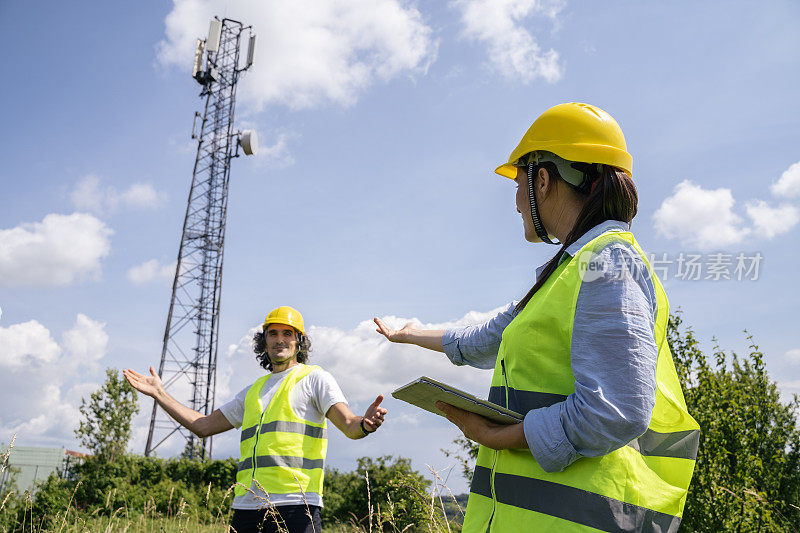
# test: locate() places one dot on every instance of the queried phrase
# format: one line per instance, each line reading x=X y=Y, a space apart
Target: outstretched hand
x=375 y=415
x=395 y=335
x=148 y=385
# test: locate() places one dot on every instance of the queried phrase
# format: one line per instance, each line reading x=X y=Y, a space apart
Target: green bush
x=13 y=511
x=747 y=476
x=132 y=485
x=385 y=491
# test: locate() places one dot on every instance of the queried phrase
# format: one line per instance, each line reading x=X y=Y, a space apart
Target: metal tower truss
x=189 y=354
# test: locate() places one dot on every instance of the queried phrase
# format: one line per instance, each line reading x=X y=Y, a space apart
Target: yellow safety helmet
x=576 y=132
x=288 y=316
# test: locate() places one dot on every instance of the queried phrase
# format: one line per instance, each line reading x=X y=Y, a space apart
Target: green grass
x=141 y=524
x=188 y=524
x=183 y=519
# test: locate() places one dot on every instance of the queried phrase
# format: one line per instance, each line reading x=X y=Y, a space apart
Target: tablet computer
x=424 y=392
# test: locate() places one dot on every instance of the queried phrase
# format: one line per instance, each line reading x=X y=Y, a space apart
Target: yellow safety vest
x=281 y=451
x=639 y=487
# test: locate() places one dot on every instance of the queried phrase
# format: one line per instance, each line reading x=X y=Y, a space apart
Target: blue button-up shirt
x=613 y=359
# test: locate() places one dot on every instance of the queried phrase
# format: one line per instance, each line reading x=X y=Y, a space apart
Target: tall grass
x=179 y=518
x=3 y=467
x=184 y=519
x=22 y=513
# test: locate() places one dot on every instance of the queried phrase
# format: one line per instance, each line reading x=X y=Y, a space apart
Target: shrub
x=747 y=476
x=135 y=485
x=385 y=491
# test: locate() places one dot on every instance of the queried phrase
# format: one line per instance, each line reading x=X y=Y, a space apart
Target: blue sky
x=380 y=123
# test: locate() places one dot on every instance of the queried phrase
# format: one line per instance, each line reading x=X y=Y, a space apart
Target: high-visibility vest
x=639 y=487
x=282 y=452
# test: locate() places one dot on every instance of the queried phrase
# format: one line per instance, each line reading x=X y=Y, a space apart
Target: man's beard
x=276 y=360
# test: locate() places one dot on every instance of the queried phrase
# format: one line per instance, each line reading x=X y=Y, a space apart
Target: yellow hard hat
x=576 y=132
x=288 y=316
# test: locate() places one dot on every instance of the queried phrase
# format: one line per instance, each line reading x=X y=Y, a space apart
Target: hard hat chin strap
x=537 y=221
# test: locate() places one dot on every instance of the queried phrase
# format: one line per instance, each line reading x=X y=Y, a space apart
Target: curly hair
x=260 y=349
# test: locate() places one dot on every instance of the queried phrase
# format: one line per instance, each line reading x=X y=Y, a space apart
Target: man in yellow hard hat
x=283 y=420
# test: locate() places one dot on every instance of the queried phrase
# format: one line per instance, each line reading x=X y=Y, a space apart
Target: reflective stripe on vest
x=286 y=427
x=570 y=503
x=639 y=487
x=676 y=444
x=263 y=461
x=280 y=451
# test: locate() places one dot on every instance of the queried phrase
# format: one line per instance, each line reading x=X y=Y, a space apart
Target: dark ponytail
x=612 y=197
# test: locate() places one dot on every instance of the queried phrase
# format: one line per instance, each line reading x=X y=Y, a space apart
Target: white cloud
x=87 y=194
x=789 y=389
x=771 y=221
x=502 y=26
x=700 y=217
x=309 y=53
x=59 y=250
x=42 y=382
x=793 y=356
x=142 y=196
x=278 y=154
x=788 y=184
x=90 y=195
x=53 y=418
x=25 y=344
x=151 y=270
x=87 y=341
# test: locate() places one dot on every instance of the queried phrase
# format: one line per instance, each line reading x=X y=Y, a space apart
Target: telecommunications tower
x=188 y=365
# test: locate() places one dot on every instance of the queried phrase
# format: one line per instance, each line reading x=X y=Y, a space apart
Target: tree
x=466 y=454
x=141 y=485
x=747 y=476
x=105 y=428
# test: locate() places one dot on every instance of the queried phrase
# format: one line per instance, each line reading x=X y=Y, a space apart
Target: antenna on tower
x=251 y=51
x=198 y=58
x=248 y=140
x=214 y=34
x=189 y=354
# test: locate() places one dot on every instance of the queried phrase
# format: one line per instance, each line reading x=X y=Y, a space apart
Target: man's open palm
x=149 y=385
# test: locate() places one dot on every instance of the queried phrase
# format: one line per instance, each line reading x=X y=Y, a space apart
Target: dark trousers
x=278 y=519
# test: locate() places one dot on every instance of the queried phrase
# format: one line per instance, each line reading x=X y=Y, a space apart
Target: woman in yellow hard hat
x=606 y=442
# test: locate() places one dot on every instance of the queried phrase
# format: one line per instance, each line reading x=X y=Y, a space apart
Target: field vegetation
x=747 y=476
x=140 y=494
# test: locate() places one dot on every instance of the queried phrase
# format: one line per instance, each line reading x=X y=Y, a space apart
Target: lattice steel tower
x=188 y=365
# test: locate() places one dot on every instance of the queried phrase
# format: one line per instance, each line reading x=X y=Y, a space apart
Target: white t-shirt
x=310 y=399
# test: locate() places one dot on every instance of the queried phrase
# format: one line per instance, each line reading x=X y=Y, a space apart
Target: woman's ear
x=543 y=182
